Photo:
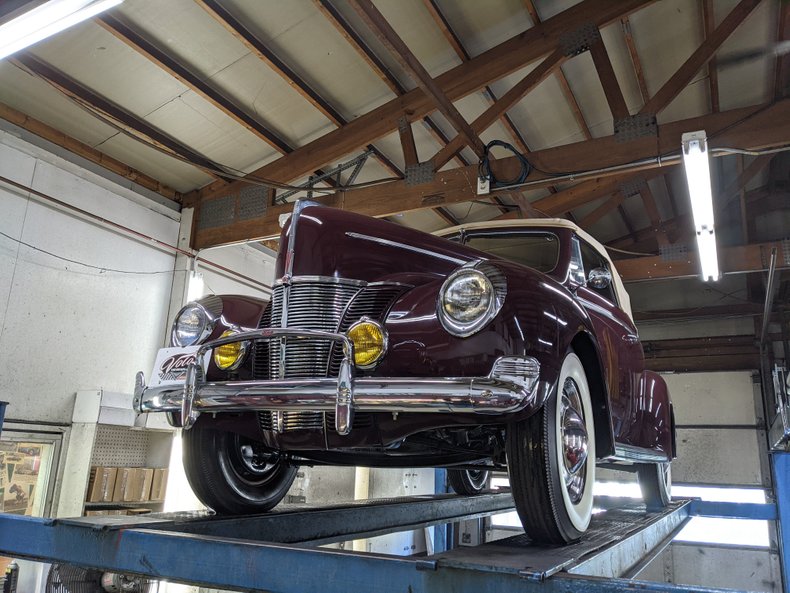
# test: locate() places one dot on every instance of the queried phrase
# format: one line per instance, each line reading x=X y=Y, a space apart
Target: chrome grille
x=331 y=306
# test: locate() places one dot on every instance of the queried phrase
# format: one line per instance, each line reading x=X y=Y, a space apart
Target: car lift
x=280 y=551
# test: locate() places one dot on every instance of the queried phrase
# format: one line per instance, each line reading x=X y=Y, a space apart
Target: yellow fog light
x=229 y=356
x=370 y=342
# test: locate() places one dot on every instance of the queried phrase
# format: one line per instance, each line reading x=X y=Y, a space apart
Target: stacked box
x=159 y=484
x=102 y=484
x=125 y=484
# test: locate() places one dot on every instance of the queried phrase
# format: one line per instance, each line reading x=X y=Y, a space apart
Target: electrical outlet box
x=483 y=185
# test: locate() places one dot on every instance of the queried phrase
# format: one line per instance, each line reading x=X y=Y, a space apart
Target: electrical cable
x=131 y=232
x=102 y=269
x=484 y=167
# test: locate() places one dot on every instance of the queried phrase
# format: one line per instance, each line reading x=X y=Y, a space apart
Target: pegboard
x=118 y=446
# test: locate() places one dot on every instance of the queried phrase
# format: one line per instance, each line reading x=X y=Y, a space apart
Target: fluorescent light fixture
x=195 y=286
x=46 y=20
x=697 y=166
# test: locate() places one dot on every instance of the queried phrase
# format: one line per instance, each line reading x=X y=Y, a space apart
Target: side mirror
x=599 y=278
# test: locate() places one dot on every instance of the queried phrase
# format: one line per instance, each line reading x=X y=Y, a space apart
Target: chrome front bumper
x=509 y=387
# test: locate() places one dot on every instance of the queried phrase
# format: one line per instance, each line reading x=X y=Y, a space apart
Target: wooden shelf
x=122 y=505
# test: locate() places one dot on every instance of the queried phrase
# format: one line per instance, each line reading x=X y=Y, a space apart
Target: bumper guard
x=509 y=387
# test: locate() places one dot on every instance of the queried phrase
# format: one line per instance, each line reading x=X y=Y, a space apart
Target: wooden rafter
x=730 y=193
x=81 y=149
x=499 y=107
x=782 y=68
x=611 y=88
x=678 y=81
x=562 y=79
x=671 y=195
x=626 y=220
x=258 y=48
x=131 y=38
x=401 y=52
x=732 y=260
x=750 y=128
x=645 y=238
x=406 y=134
x=625 y=22
x=491 y=65
x=602 y=210
x=653 y=214
x=459 y=49
x=379 y=68
x=110 y=112
x=709 y=23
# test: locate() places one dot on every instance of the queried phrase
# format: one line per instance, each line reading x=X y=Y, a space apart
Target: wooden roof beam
x=491 y=65
x=401 y=52
x=132 y=39
x=507 y=101
x=81 y=149
x=748 y=128
x=257 y=47
x=653 y=214
x=602 y=210
x=563 y=80
x=678 y=81
x=732 y=260
x=625 y=22
x=379 y=68
x=782 y=69
x=458 y=46
x=111 y=113
x=611 y=88
x=713 y=74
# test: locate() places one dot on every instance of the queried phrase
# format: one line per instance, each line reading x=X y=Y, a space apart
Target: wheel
x=551 y=461
x=655 y=482
x=233 y=474
x=468 y=481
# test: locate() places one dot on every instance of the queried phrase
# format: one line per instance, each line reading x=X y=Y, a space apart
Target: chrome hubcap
x=574 y=439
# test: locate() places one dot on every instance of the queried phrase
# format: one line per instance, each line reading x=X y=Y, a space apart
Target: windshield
x=537 y=250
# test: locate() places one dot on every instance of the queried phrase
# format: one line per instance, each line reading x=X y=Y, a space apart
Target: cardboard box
x=102 y=484
x=125 y=482
x=159 y=484
x=142 y=484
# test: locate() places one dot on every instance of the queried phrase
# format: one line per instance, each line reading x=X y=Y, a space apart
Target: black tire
x=232 y=474
x=467 y=481
x=550 y=512
x=655 y=482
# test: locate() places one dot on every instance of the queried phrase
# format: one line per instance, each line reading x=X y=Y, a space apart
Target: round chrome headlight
x=470 y=298
x=191 y=325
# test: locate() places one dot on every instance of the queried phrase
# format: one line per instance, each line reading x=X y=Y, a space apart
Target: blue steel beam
x=2 y=414
x=241 y=565
x=733 y=510
x=781 y=467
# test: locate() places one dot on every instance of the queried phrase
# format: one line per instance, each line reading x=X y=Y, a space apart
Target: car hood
x=332 y=242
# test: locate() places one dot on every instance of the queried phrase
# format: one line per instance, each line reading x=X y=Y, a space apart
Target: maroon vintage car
x=500 y=344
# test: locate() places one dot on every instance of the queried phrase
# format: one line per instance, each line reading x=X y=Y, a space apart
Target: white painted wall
x=65 y=326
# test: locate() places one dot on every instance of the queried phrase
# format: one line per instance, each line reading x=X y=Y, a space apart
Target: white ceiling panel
x=199 y=42
x=196 y=123
x=177 y=174
x=252 y=83
x=92 y=56
x=304 y=39
x=484 y=24
x=50 y=106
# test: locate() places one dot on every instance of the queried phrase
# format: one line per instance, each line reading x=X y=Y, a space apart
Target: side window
x=591 y=259
x=577 y=267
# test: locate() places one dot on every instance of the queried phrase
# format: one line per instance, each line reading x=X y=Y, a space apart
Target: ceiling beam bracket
x=419 y=173
x=579 y=41
x=673 y=252
x=632 y=187
x=634 y=127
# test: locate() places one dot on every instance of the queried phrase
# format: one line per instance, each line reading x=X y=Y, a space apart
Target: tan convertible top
x=547 y=223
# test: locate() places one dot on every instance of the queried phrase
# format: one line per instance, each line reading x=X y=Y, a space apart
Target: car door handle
x=630 y=339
